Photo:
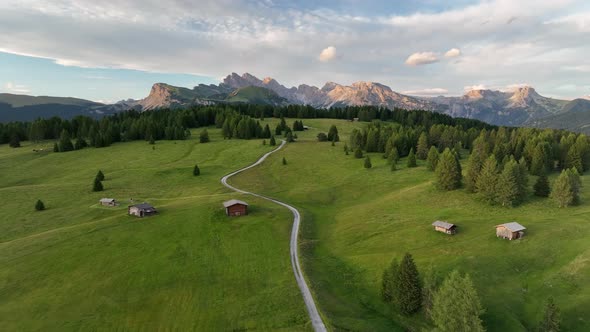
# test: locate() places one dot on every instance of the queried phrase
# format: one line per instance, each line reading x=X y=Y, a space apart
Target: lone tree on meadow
x=368 y=162
x=448 y=171
x=541 y=187
x=97 y=185
x=100 y=175
x=333 y=134
x=456 y=305
x=551 y=319
x=196 y=170
x=39 y=206
x=272 y=141
x=432 y=159
x=412 y=159
x=408 y=286
x=204 y=136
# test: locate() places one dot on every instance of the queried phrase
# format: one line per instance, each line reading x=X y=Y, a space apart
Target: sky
x=111 y=50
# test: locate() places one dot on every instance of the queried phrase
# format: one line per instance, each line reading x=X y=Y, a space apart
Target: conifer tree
x=368 y=162
x=541 y=187
x=574 y=159
x=97 y=185
x=151 y=140
x=422 y=147
x=563 y=191
x=65 y=143
x=272 y=142
x=80 y=144
x=100 y=175
x=432 y=159
x=333 y=134
x=14 y=141
x=196 y=170
x=474 y=166
x=388 y=281
x=487 y=179
x=551 y=321
x=448 y=171
x=507 y=191
x=289 y=138
x=266 y=131
x=358 y=153
x=431 y=284
x=456 y=305
x=412 y=159
x=408 y=288
x=393 y=166
x=39 y=206
x=284 y=161
x=204 y=136
x=393 y=156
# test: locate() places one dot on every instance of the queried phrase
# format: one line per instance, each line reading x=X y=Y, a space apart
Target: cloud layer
x=496 y=42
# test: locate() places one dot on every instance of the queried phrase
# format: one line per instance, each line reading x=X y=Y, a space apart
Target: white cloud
x=453 y=52
x=10 y=87
x=328 y=54
x=474 y=87
x=422 y=58
x=427 y=92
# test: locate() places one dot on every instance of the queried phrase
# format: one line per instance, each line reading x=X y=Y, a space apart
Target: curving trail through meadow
x=316 y=319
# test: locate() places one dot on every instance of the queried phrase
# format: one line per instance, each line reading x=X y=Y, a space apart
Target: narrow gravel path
x=316 y=319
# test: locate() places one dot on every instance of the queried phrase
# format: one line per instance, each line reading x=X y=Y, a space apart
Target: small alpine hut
x=235 y=208
x=510 y=231
x=141 y=210
x=444 y=227
x=108 y=202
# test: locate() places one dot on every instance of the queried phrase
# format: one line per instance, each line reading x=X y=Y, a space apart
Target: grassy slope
x=78 y=266
x=357 y=220
x=25 y=100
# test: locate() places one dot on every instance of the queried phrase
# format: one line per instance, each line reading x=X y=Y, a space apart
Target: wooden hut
x=444 y=227
x=141 y=210
x=510 y=231
x=107 y=202
x=235 y=208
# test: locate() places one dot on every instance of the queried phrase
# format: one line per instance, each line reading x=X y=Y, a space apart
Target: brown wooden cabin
x=444 y=227
x=510 y=231
x=235 y=208
x=141 y=210
x=108 y=202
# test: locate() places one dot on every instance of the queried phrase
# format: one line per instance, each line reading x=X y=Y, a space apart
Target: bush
x=284 y=161
x=322 y=137
x=39 y=206
x=204 y=136
x=196 y=171
x=358 y=153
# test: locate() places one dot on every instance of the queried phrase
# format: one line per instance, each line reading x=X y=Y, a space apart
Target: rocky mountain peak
x=523 y=96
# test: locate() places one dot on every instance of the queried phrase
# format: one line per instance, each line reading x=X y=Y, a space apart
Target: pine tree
x=563 y=191
x=196 y=170
x=266 y=131
x=14 y=141
x=422 y=147
x=432 y=159
x=368 y=162
x=431 y=283
x=204 y=136
x=333 y=134
x=574 y=159
x=408 y=289
x=487 y=179
x=272 y=142
x=541 y=187
x=289 y=137
x=474 y=166
x=456 y=305
x=65 y=143
x=551 y=321
x=393 y=156
x=448 y=171
x=411 y=162
x=358 y=153
x=97 y=185
x=507 y=193
x=284 y=161
x=80 y=144
x=388 y=281
x=100 y=175
x=39 y=206
x=539 y=161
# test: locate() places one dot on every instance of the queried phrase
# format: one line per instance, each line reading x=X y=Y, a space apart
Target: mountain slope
x=27 y=108
x=575 y=116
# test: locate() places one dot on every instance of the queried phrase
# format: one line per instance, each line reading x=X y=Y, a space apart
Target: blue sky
x=116 y=49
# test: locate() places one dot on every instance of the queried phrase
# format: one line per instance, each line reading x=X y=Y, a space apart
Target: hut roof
x=143 y=206
x=443 y=224
x=107 y=200
x=513 y=226
x=232 y=202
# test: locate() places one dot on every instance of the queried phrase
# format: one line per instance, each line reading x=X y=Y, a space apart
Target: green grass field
x=79 y=266
x=356 y=220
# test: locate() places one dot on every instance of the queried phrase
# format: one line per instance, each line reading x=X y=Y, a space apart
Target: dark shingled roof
x=443 y=224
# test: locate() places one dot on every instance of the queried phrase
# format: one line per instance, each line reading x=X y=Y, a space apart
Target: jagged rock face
x=160 y=96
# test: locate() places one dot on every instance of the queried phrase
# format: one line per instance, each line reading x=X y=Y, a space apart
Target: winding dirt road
x=316 y=319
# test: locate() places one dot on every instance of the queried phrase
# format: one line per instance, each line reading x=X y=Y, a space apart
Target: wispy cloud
x=422 y=58
x=16 y=88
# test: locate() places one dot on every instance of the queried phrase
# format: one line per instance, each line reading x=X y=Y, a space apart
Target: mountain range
x=521 y=106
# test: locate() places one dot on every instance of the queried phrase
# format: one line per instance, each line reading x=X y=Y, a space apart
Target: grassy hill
x=79 y=266
x=356 y=220
x=25 y=100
